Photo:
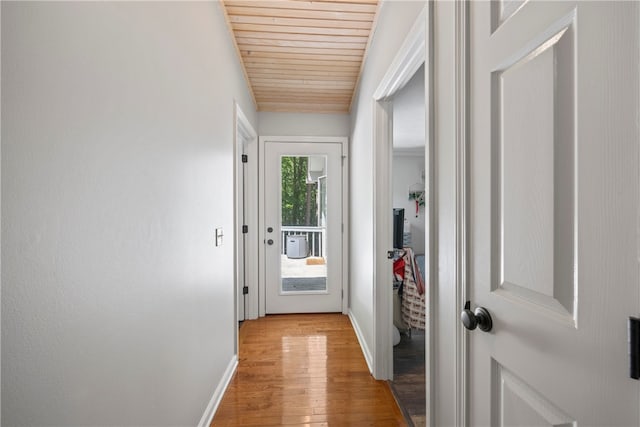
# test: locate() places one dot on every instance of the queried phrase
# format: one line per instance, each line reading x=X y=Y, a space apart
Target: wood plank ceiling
x=300 y=55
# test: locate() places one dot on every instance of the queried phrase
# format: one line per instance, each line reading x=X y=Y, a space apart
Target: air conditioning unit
x=296 y=246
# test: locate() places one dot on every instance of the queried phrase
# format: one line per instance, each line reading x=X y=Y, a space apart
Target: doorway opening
x=414 y=56
x=302 y=218
x=409 y=231
x=245 y=221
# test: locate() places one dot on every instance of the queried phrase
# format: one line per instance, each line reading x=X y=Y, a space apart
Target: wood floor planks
x=304 y=370
x=409 y=381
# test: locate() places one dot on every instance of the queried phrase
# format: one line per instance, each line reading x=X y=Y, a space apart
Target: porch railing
x=315 y=238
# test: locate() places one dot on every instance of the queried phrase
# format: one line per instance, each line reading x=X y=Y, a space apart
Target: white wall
x=409 y=114
x=117 y=308
x=394 y=21
x=407 y=172
x=303 y=124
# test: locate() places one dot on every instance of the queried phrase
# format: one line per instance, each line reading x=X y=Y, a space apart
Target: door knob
x=270 y=242
x=478 y=318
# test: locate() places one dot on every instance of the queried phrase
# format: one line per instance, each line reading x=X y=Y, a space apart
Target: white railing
x=315 y=239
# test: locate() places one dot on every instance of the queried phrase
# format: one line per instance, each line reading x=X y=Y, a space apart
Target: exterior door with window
x=303 y=227
x=553 y=245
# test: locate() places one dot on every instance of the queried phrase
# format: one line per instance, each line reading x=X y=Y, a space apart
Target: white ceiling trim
x=410 y=57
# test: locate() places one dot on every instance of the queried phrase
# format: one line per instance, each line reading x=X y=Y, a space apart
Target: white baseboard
x=212 y=407
x=363 y=344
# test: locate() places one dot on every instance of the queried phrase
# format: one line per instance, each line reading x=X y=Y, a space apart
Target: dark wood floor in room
x=408 y=383
x=304 y=370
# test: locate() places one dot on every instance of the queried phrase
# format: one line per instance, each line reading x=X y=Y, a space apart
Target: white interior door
x=553 y=212
x=303 y=227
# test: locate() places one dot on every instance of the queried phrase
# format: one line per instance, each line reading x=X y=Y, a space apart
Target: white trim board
x=345 y=225
x=461 y=203
x=244 y=134
x=410 y=57
x=382 y=242
x=212 y=407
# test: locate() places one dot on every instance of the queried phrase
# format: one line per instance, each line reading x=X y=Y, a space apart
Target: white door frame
x=414 y=52
x=345 y=213
x=245 y=137
x=461 y=84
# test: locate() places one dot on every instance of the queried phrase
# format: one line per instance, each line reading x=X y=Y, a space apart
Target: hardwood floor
x=304 y=370
x=409 y=385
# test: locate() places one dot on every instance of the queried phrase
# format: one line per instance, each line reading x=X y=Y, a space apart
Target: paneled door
x=553 y=205
x=303 y=227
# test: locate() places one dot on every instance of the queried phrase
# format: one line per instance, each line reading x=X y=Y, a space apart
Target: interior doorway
x=303 y=224
x=303 y=237
x=409 y=230
x=413 y=55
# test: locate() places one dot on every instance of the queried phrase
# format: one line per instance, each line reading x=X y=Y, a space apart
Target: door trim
x=461 y=85
x=344 y=141
x=415 y=51
x=382 y=242
x=244 y=134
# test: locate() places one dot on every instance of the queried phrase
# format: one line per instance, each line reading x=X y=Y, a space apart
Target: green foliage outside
x=299 y=205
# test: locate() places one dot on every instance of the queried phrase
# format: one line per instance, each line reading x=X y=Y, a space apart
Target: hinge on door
x=245 y=158
x=245 y=290
x=342 y=294
x=634 y=348
x=245 y=229
x=343 y=158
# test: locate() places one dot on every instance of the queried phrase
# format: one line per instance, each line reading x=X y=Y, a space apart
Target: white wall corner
x=212 y=407
x=363 y=344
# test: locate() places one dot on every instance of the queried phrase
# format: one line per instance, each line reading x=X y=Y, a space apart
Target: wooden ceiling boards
x=301 y=55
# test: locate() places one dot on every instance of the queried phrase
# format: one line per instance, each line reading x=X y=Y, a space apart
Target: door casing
x=246 y=141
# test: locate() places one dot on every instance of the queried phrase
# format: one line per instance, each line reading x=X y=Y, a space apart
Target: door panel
x=518 y=405
x=553 y=211
x=303 y=210
x=534 y=153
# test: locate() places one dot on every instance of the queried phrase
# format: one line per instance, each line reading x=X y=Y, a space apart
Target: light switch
x=219 y=236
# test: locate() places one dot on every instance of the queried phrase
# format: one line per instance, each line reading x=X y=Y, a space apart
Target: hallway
x=304 y=370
